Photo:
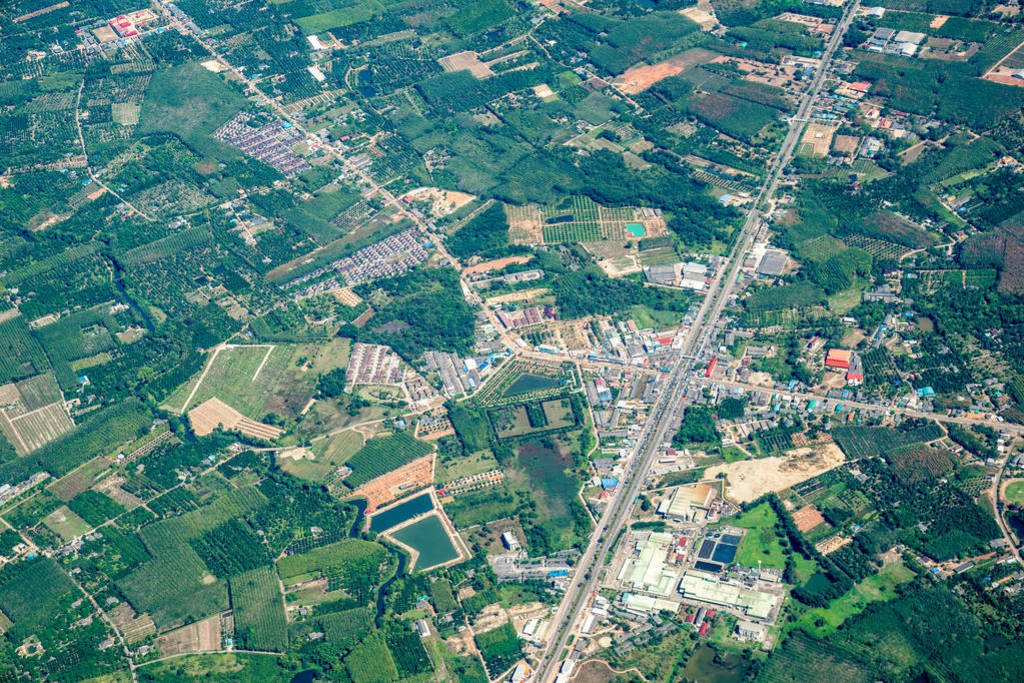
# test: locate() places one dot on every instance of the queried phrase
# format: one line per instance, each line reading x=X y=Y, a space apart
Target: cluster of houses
x=271 y=142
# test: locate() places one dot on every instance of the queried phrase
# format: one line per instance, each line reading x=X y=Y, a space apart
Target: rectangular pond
x=401 y=512
x=429 y=538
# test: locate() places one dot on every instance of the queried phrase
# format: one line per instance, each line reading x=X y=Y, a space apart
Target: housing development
x=531 y=342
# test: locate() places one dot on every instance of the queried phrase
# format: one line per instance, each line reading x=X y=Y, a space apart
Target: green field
x=463 y=465
x=340 y=18
x=66 y=523
x=339 y=448
x=234 y=666
x=761 y=543
x=190 y=102
x=254 y=380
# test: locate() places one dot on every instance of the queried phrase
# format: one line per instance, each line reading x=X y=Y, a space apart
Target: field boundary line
x=16 y=433
x=199 y=382
x=265 y=358
x=12 y=420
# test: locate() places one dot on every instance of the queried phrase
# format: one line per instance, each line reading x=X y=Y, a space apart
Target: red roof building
x=838 y=358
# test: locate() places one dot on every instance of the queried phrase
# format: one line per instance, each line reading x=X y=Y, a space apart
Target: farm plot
x=214 y=413
x=260 y=622
x=201 y=636
x=870 y=442
x=382 y=455
x=102 y=432
x=371 y=662
x=346 y=628
x=35 y=429
x=22 y=355
x=733 y=116
x=30 y=589
x=194 y=593
x=388 y=487
x=79 y=480
x=913 y=464
x=351 y=564
x=580 y=219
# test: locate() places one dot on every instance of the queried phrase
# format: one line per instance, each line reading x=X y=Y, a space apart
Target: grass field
x=877 y=588
x=190 y=102
x=339 y=448
x=1015 y=492
x=464 y=466
x=66 y=523
x=254 y=380
x=761 y=543
x=340 y=18
x=234 y=666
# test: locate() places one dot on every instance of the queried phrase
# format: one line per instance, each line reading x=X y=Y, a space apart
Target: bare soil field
x=496 y=264
x=640 y=78
x=466 y=60
x=750 y=479
x=806 y=518
x=214 y=413
x=388 y=487
x=197 y=637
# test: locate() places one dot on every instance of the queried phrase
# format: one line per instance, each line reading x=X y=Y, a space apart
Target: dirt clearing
x=750 y=479
x=388 y=487
x=640 y=78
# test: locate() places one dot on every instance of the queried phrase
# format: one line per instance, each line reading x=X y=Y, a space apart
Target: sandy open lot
x=466 y=60
x=750 y=479
x=819 y=137
x=640 y=78
x=496 y=264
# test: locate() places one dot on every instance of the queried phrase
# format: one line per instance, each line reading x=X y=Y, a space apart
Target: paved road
x=1007 y=427
x=668 y=407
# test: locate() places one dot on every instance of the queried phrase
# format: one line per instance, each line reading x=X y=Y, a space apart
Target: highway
x=669 y=406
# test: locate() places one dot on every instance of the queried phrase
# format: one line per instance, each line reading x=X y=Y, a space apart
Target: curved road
x=668 y=407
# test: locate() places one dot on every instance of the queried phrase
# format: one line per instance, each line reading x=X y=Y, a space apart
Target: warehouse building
x=706 y=588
